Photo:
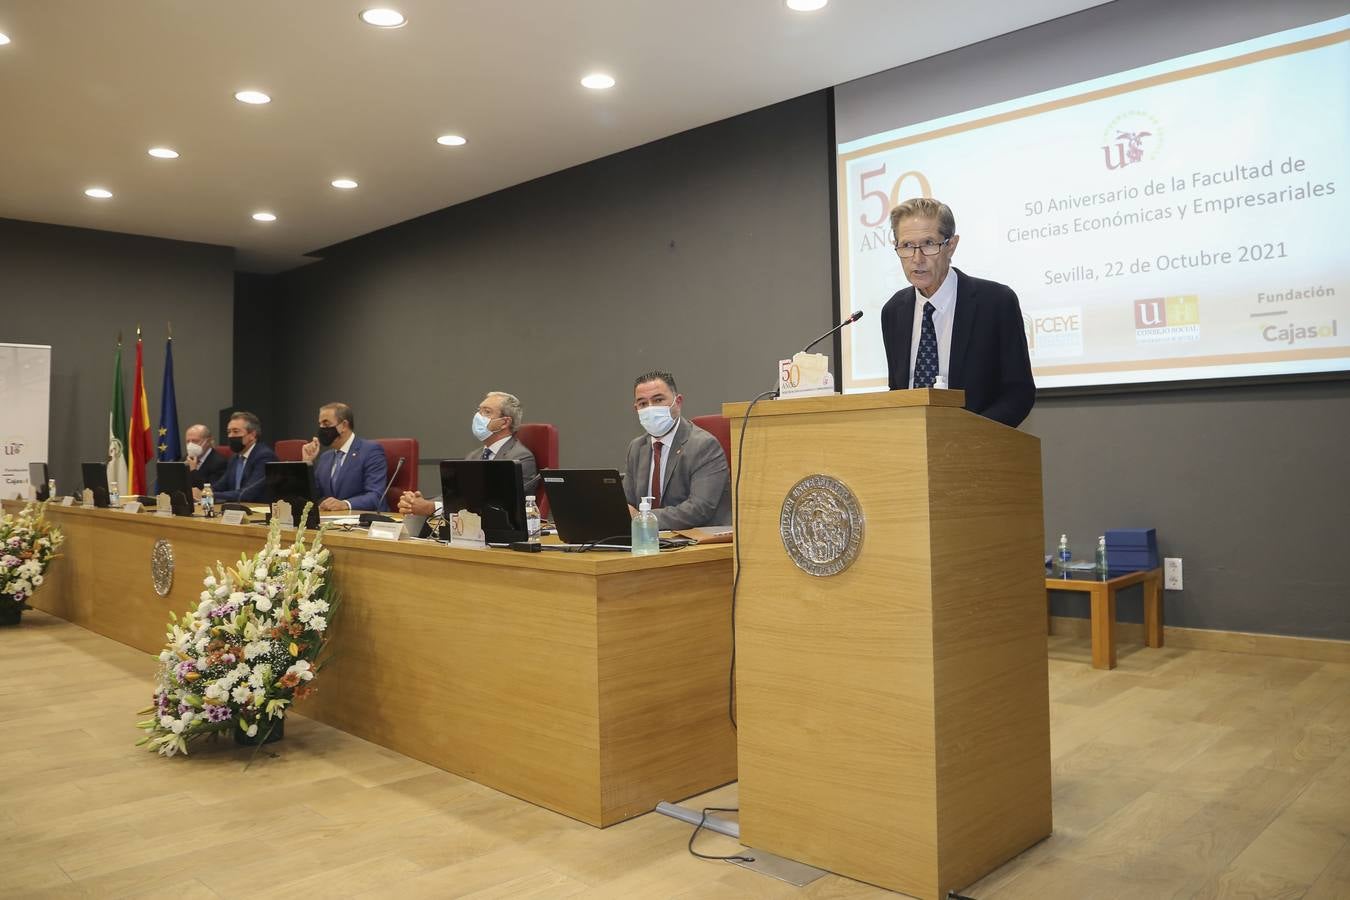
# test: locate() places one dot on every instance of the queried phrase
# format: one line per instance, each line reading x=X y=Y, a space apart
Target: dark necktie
x=239 y=473
x=487 y=453
x=926 y=362
x=656 y=474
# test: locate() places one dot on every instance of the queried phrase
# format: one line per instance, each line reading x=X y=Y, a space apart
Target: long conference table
x=592 y=684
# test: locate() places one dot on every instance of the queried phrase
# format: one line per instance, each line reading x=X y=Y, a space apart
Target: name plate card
x=69 y=501
x=232 y=517
x=466 y=529
x=805 y=375
x=88 y=498
x=132 y=507
x=163 y=505
x=281 y=512
x=386 y=531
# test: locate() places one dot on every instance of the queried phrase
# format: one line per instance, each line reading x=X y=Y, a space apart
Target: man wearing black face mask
x=244 y=481
x=351 y=473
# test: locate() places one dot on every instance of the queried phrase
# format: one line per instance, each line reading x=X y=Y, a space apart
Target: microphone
x=849 y=321
x=398 y=468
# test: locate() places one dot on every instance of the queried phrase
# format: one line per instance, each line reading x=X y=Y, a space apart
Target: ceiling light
x=384 y=18
x=345 y=184
x=451 y=140
x=98 y=193
x=163 y=153
x=4 y=38
x=264 y=217
x=597 y=81
x=254 y=97
x=806 y=5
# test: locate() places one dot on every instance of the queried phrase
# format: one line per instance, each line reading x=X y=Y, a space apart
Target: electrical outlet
x=1172 y=573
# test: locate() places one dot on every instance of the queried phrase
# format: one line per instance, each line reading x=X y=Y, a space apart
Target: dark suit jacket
x=254 y=485
x=361 y=479
x=697 y=490
x=989 y=359
x=514 y=449
x=208 y=470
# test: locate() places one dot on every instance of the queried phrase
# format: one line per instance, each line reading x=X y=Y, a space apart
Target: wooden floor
x=1182 y=773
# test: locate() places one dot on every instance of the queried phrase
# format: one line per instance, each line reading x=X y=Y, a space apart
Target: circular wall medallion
x=821 y=525
x=161 y=567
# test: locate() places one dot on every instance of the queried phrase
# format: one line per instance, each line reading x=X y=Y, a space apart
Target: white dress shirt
x=944 y=312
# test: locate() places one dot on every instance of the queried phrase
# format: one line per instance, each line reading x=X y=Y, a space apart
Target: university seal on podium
x=161 y=566
x=821 y=525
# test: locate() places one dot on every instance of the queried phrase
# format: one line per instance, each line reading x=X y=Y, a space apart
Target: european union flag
x=169 y=440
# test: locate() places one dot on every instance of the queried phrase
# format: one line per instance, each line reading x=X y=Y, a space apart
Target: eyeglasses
x=927 y=248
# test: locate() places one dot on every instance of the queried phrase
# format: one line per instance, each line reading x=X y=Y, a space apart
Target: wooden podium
x=894 y=720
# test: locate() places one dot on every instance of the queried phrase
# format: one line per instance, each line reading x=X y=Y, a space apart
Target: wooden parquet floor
x=1182 y=773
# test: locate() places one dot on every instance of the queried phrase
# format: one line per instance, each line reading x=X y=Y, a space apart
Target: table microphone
x=849 y=321
x=397 y=468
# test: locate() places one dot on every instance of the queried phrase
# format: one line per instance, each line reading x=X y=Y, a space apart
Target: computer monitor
x=493 y=489
x=37 y=477
x=294 y=483
x=589 y=506
x=95 y=476
x=176 y=481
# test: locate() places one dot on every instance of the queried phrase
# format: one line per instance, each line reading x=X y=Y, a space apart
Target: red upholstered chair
x=224 y=451
x=394 y=450
x=542 y=440
x=720 y=428
x=289 y=450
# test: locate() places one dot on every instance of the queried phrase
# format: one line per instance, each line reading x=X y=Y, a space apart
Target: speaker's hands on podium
x=310 y=451
x=412 y=503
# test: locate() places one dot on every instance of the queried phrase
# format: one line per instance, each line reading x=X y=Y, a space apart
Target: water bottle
x=114 y=496
x=1101 y=556
x=208 y=502
x=1063 y=557
x=646 y=533
x=532 y=523
x=51 y=488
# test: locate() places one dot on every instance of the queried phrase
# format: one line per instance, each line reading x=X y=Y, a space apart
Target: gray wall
x=75 y=289
x=707 y=253
x=1249 y=485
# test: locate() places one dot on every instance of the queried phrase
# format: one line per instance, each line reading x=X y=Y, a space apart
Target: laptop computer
x=95 y=476
x=589 y=507
x=294 y=483
x=492 y=489
x=173 y=478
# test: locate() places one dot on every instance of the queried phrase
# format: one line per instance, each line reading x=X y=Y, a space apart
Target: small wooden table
x=1103 y=591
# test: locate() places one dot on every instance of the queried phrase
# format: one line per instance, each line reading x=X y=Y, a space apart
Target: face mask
x=327 y=434
x=656 y=420
x=194 y=449
x=480 y=427
x=237 y=444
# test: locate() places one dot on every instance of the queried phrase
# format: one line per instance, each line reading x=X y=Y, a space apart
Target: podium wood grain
x=894 y=718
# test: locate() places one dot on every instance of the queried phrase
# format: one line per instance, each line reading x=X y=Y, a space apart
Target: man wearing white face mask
x=494 y=425
x=676 y=463
x=205 y=465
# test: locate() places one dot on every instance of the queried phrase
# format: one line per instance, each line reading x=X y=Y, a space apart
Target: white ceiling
x=87 y=86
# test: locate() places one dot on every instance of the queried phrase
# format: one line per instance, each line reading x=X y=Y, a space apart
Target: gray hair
x=928 y=208
x=510 y=407
x=207 y=436
x=252 y=424
x=341 y=413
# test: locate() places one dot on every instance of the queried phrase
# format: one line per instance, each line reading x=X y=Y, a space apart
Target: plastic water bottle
x=114 y=496
x=646 y=532
x=1101 y=556
x=51 y=488
x=208 y=502
x=1063 y=557
x=532 y=523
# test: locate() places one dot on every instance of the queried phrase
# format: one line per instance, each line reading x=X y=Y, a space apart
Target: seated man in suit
x=494 y=425
x=204 y=464
x=966 y=330
x=243 y=480
x=352 y=472
x=681 y=466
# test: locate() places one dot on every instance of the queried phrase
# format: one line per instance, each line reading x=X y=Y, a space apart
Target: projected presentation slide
x=1186 y=220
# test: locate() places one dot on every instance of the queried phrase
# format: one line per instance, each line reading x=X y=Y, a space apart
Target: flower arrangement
x=27 y=544
x=249 y=649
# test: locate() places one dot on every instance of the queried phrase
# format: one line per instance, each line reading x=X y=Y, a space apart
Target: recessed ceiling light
x=806 y=5
x=597 y=81
x=98 y=193
x=163 y=153
x=451 y=140
x=345 y=184
x=254 y=97
x=264 y=217
x=4 y=38
x=382 y=17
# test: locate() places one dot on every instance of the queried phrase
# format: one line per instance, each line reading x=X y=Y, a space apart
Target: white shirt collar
x=943 y=297
x=497 y=445
x=347 y=445
x=247 y=450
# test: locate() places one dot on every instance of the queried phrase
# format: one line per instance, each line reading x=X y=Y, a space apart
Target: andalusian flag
x=117 y=429
x=140 y=447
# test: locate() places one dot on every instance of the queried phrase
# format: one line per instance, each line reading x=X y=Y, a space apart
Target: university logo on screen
x=1132 y=137
x=1054 y=333
x=1167 y=320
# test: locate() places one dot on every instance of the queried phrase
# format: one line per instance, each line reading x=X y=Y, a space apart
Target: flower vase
x=278 y=731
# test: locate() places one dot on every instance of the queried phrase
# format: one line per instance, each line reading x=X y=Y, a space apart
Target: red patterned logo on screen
x=1132 y=137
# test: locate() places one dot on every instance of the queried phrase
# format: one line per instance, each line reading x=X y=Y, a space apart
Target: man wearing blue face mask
x=676 y=463
x=494 y=426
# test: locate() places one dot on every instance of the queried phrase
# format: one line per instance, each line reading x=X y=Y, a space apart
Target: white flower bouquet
x=28 y=542
x=249 y=649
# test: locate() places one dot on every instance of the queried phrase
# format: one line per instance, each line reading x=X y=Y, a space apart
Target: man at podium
x=966 y=333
